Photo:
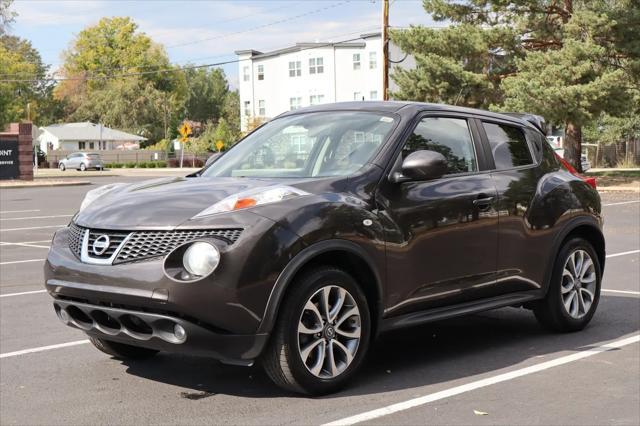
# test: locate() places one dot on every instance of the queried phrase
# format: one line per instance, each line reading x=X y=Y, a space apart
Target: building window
x=262 y=110
x=373 y=60
x=373 y=95
x=316 y=99
x=357 y=96
x=245 y=73
x=295 y=69
x=295 y=103
x=91 y=145
x=247 y=108
x=316 y=66
x=82 y=145
x=260 y=72
x=356 y=61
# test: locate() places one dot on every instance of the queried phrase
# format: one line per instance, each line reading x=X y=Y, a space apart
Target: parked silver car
x=81 y=161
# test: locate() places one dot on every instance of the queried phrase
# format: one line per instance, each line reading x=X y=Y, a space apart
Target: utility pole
x=385 y=50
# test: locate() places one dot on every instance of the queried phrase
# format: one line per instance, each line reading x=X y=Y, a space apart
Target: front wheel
x=83 y=167
x=322 y=333
x=574 y=291
x=62 y=167
x=121 y=350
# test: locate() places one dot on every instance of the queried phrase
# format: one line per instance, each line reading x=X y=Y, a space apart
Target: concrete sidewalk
x=151 y=172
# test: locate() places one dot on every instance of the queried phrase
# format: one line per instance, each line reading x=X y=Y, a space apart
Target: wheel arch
x=584 y=227
x=340 y=253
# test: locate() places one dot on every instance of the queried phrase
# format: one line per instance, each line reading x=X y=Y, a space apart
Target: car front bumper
x=160 y=332
x=221 y=314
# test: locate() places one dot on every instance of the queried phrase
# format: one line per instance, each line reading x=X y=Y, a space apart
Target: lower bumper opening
x=159 y=332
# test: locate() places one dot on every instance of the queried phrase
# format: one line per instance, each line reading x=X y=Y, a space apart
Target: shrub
x=142 y=165
x=129 y=165
x=161 y=163
x=151 y=164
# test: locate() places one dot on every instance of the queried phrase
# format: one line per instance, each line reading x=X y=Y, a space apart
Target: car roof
x=406 y=108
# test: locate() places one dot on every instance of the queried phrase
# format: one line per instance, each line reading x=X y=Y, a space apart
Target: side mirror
x=421 y=165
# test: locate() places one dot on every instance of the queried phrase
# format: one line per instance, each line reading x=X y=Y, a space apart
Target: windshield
x=335 y=143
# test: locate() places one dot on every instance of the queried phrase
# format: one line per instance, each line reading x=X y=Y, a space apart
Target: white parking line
x=447 y=393
x=19 y=211
x=22 y=261
x=43 y=348
x=23 y=293
x=635 y=293
x=36 y=217
x=621 y=203
x=624 y=253
x=23 y=245
x=33 y=227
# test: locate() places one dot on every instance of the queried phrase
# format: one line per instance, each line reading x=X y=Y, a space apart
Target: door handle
x=483 y=203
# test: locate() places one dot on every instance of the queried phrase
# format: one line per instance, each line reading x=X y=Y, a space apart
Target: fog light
x=64 y=315
x=179 y=332
x=201 y=258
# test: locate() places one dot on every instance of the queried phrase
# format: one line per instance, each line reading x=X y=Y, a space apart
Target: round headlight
x=201 y=258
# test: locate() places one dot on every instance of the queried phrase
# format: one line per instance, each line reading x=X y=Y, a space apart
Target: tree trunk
x=573 y=145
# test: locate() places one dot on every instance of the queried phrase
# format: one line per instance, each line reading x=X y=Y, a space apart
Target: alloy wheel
x=329 y=332
x=578 y=285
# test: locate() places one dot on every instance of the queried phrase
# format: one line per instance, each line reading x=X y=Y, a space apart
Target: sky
x=208 y=31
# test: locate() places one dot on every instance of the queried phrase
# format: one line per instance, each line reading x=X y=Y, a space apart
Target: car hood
x=165 y=203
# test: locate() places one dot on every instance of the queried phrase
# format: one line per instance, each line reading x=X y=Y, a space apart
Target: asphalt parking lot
x=496 y=368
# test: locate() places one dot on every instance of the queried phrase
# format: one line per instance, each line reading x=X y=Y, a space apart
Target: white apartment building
x=306 y=74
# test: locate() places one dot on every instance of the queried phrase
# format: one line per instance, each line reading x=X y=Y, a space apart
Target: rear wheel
x=121 y=350
x=574 y=291
x=322 y=333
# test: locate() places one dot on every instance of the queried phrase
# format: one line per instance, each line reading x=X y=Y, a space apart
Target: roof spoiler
x=538 y=121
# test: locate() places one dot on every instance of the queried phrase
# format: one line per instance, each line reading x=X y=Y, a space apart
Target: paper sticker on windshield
x=386 y=119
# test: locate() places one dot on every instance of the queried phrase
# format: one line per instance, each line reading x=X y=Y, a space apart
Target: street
x=498 y=367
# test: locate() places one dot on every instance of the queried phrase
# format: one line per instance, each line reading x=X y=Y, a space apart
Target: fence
x=626 y=154
x=134 y=157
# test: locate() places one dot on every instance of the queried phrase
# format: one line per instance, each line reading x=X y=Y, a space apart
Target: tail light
x=591 y=181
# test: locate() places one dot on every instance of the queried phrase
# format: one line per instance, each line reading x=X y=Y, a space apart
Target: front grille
x=115 y=239
x=76 y=234
x=139 y=245
x=147 y=244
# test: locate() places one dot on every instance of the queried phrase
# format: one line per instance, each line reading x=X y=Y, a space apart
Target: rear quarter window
x=509 y=146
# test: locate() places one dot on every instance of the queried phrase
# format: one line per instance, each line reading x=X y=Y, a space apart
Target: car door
x=441 y=234
x=521 y=246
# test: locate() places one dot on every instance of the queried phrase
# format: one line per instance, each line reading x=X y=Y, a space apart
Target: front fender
x=303 y=258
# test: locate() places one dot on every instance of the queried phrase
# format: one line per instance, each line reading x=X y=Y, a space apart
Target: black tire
x=282 y=361
x=550 y=311
x=83 y=167
x=62 y=167
x=121 y=350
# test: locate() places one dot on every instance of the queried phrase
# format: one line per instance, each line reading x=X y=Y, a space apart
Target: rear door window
x=508 y=146
x=448 y=136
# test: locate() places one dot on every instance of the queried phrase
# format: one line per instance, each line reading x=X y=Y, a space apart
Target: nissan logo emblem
x=100 y=245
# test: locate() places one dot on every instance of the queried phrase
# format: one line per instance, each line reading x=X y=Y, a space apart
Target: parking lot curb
x=35 y=184
x=635 y=189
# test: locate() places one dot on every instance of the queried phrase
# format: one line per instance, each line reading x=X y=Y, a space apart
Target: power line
x=251 y=29
x=185 y=62
x=259 y=27
x=162 y=71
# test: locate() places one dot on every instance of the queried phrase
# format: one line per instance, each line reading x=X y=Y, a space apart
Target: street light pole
x=385 y=50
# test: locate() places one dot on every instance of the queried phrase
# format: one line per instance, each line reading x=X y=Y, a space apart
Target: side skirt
x=437 y=314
